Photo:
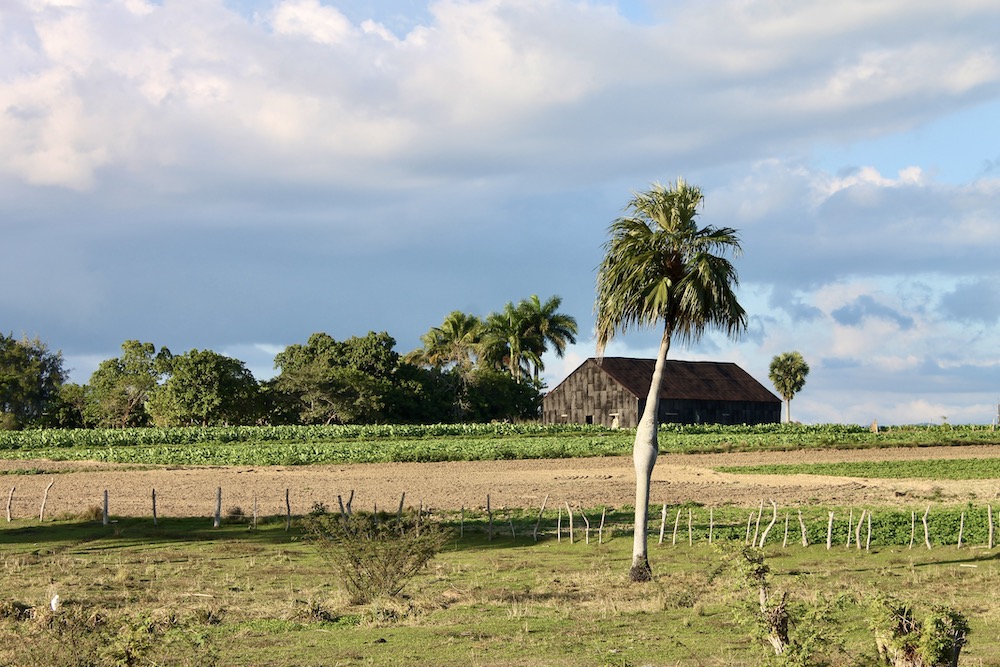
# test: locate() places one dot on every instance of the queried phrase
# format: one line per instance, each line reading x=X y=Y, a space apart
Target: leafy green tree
x=120 y=387
x=339 y=382
x=205 y=388
x=660 y=267
x=424 y=395
x=545 y=325
x=788 y=375
x=30 y=378
x=491 y=395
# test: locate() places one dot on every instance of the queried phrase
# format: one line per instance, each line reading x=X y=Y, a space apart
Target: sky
x=236 y=176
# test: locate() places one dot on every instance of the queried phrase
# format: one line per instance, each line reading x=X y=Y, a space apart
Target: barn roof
x=690 y=380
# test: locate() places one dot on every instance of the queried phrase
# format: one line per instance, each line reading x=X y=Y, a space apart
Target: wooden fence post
x=663 y=522
x=600 y=530
x=829 y=532
x=802 y=526
x=569 y=511
x=927 y=533
x=961 y=529
x=10 y=498
x=989 y=512
x=288 y=511
x=559 y=526
x=586 y=529
x=534 y=533
x=154 y=507
x=45 y=497
x=774 y=519
x=711 y=523
x=756 y=529
x=489 y=514
x=218 y=508
x=850 y=527
x=913 y=527
x=690 y=535
x=677 y=521
x=105 y=515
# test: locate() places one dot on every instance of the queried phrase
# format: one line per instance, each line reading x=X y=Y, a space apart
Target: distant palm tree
x=454 y=343
x=659 y=266
x=505 y=342
x=545 y=325
x=788 y=375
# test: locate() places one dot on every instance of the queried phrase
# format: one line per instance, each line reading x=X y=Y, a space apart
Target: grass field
x=181 y=594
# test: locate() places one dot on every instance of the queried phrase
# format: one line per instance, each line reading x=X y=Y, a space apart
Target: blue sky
x=237 y=176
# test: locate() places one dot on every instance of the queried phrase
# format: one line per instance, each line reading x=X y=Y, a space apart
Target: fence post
x=10 y=497
x=927 y=532
x=534 y=533
x=105 y=515
x=989 y=510
x=45 y=497
x=218 y=508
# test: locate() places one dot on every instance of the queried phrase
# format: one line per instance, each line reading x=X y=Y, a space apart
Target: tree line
x=467 y=369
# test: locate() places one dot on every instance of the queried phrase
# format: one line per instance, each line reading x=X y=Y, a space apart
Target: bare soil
x=588 y=482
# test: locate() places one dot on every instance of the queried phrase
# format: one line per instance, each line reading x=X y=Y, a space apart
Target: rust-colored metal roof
x=690 y=380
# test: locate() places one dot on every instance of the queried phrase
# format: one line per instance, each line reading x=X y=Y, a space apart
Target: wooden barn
x=613 y=392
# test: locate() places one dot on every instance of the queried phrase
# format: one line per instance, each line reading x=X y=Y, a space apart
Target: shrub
x=904 y=640
x=374 y=558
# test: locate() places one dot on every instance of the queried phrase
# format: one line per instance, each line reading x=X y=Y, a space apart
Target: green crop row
x=985 y=468
x=55 y=438
x=300 y=445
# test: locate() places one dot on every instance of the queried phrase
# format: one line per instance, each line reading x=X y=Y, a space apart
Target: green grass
x=235 y=596
x=926 y=469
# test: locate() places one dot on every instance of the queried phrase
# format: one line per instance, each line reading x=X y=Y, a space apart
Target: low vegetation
x=184 y=594
x=306 y=445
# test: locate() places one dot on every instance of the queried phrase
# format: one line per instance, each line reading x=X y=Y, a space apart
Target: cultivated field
x=186 y=491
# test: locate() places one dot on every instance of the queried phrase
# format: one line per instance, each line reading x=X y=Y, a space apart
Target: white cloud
x=310 y=19
x=476 y=155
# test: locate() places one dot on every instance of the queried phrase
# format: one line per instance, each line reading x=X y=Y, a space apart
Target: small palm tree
x=453 y=343
x=660 y=267
x=788 y=375
x=545 y=325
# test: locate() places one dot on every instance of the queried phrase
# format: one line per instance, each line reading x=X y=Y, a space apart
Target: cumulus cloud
x=196 y=174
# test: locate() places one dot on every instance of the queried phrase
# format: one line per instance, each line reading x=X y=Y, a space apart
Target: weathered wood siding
x=717 y=412
x=596 y=394
x=590 y=395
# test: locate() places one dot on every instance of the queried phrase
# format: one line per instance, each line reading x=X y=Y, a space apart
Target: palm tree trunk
x=644 y=453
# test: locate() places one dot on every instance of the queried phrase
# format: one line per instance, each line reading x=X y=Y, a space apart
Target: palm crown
x=660 y=266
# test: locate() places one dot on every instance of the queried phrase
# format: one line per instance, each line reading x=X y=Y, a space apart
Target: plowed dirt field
x=587 y=482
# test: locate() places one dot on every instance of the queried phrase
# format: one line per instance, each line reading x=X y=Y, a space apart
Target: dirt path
x=590 y=482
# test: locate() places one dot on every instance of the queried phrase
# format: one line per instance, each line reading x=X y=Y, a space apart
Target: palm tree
x=659 y=266
x=453 y=343
x=546 y=325
x=788 y=375
x=505 y=342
